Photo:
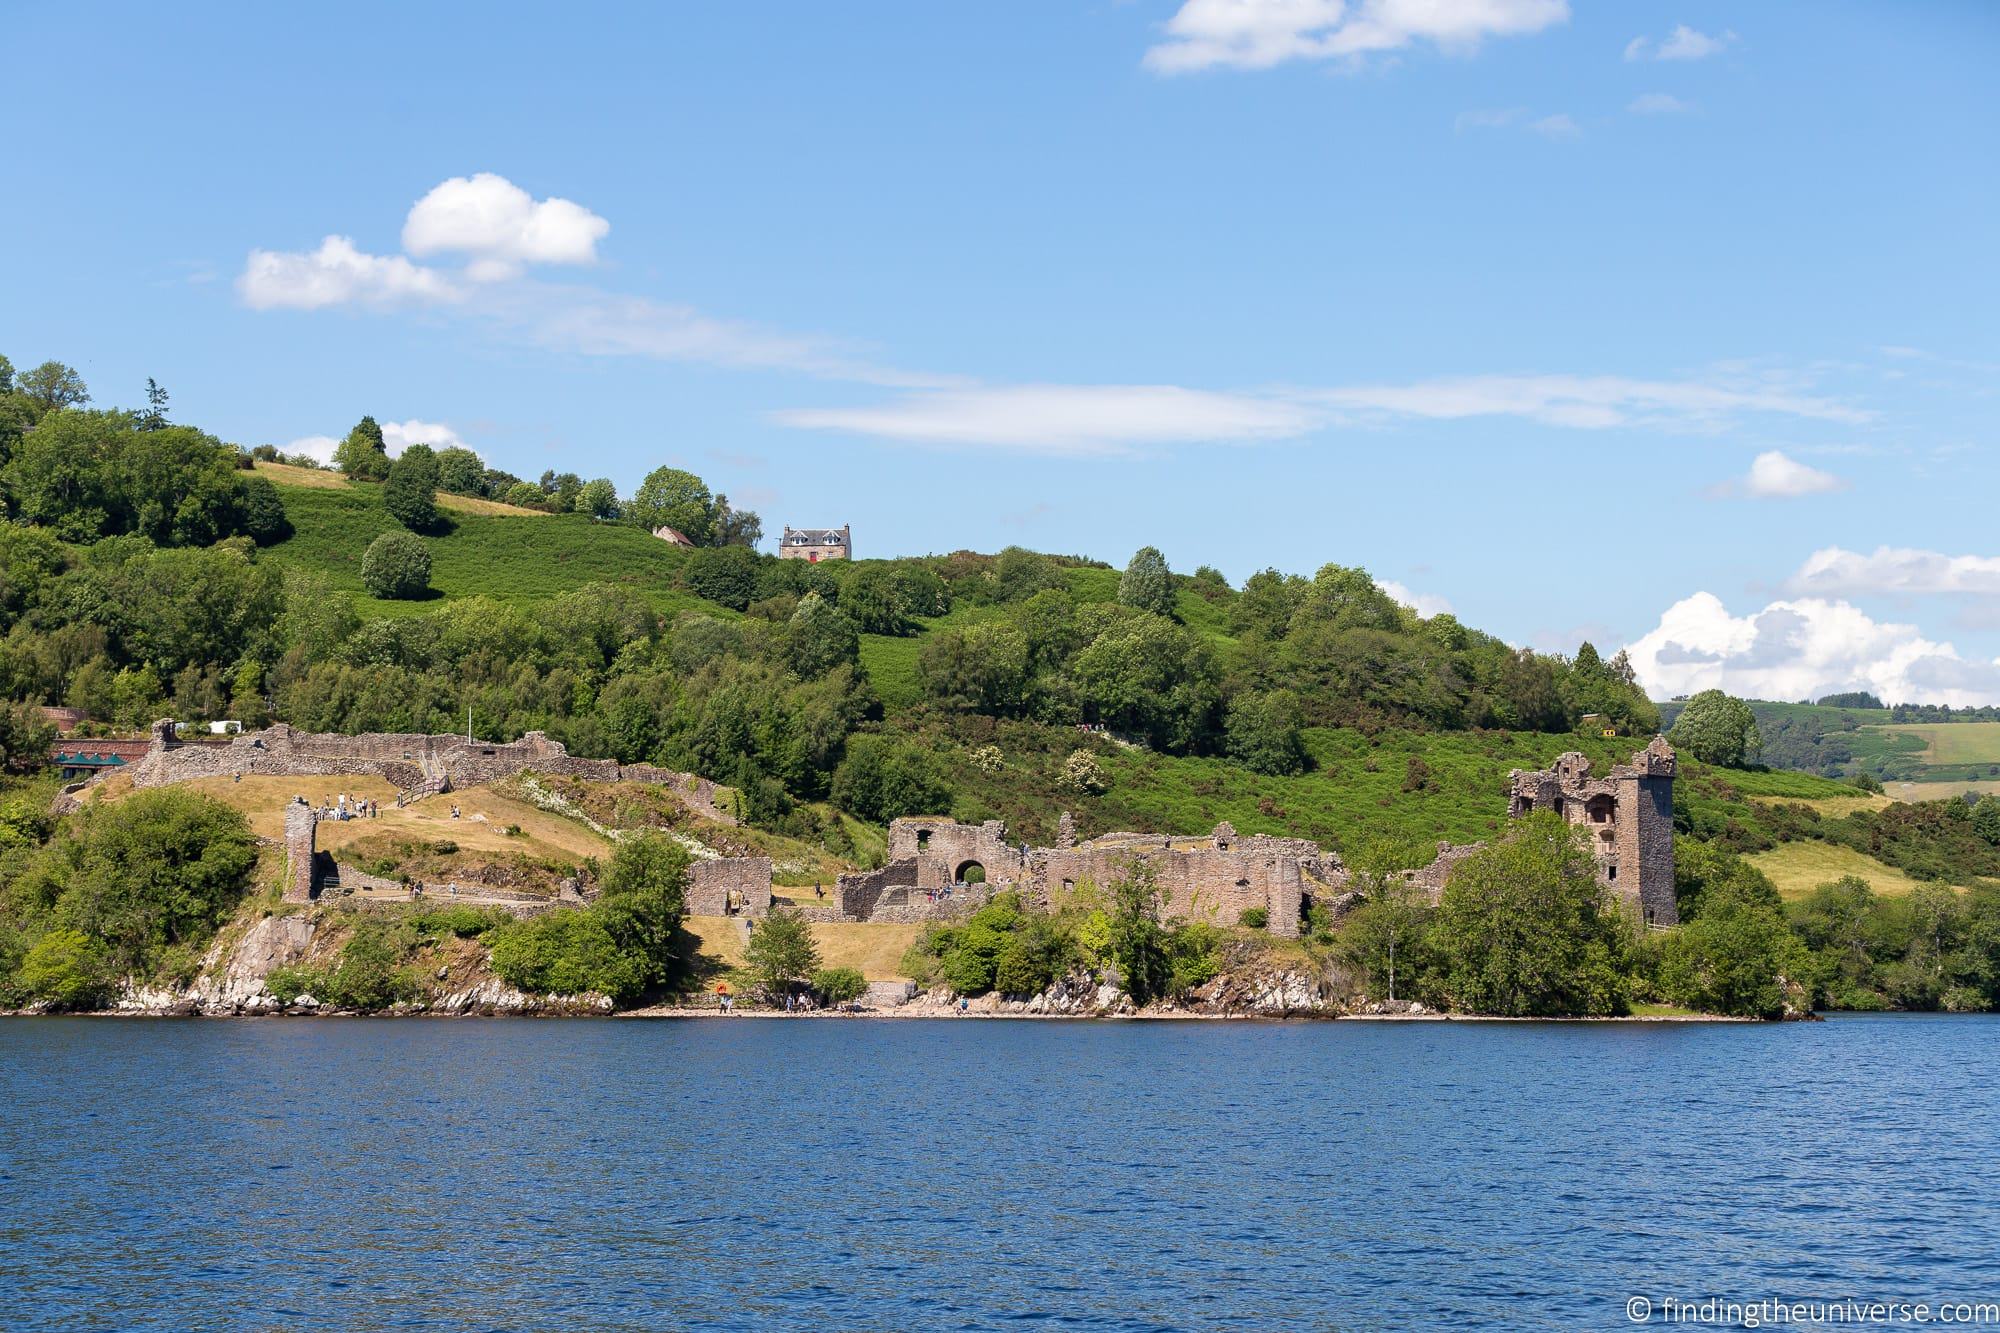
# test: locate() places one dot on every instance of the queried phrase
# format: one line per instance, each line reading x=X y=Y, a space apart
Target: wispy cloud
x=1101 y=419
x=1658 y=104
x=1258 y=34
x=1557 y=126
x=1683 y=43
x=1897 y=571
x=1066 y=419
x=1589 y=402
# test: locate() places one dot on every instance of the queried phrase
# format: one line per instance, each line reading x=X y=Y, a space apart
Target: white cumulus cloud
x=396 y=437
x=1257 y=34
x=1424 y=604
x=1774 y=476
x=320 y=447
x=500 y=227
x=338 y=273
x=1683 y=43
x=400 y=435
x=1804 y=648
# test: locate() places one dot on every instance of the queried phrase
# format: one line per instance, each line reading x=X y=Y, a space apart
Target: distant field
x=1941 y=791
x=1835 y=807
x=1797 y=868
x=1954 y=742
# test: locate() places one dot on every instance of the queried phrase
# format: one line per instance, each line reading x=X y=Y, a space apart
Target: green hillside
x=514 y=559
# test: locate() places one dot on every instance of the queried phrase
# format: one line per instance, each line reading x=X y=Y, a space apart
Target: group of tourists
x=345 y=807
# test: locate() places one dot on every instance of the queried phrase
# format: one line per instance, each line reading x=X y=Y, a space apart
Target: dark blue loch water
x=972 y=1174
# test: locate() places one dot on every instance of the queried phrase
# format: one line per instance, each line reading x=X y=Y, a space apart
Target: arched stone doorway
x=969 y=872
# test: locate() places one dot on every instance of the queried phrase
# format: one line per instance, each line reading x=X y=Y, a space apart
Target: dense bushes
x=626 y=943
x=85 y=475
x=131 y=889
x=1117 y=936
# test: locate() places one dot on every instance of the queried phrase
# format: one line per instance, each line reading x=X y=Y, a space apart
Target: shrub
x=288 y=983
x=1256 y=918
x=1194 y=953
x=566 y=953
x=397 y=565
x=369 y=974
x=1083 y=775
x=68 y=969
x=1038 y=953
x=159 y=869
x=837 y=985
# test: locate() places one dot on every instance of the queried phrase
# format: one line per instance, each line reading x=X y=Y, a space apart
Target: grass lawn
x=1797 y=868
x=484 y=815
x=875 y=949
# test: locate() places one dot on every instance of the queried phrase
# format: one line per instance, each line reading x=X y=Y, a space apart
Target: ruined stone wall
x=418 y=765
x=743 y=880
x=1431 y=879
x=944 y=848
x=858 y=894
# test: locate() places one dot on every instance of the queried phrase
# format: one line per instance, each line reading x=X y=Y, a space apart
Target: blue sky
x=1669 y=325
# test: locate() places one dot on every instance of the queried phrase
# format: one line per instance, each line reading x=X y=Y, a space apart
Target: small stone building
x=816 y=544
x=1629 y=814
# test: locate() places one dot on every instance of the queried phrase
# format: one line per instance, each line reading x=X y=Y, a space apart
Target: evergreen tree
x=155 y=415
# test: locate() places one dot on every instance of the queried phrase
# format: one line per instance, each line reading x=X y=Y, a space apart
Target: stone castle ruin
x=1629 y=814
x=938 y=868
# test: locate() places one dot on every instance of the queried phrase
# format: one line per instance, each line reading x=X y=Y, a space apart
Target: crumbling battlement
x=1628 y=813
x=418 y=765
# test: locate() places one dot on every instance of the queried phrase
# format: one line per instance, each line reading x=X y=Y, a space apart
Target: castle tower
x=1627 y=816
